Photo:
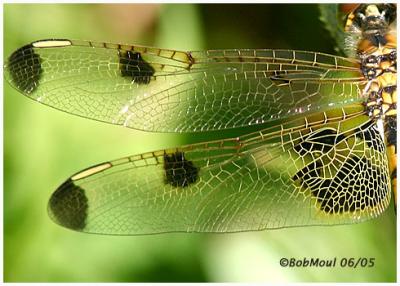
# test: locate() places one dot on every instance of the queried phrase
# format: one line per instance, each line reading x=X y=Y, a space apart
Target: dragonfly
x=323 y=151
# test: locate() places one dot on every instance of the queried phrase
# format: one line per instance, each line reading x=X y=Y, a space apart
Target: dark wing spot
x=134 y=66
x=68 y=206
x=321 y=141
x=308 y=176
x=179 y=172
x=356 y=186
x=369 y=132
x=25 y=69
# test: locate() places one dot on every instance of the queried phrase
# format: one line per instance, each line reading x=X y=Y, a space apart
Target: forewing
x=164 y=90
x=309 y=171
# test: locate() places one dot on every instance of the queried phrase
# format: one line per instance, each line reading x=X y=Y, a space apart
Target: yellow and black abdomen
x=374 y=27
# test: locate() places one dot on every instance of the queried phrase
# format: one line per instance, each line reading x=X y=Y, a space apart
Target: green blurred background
x=42 y=147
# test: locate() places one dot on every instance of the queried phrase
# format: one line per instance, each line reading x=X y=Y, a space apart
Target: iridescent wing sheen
x=171 y=91
x=324 y=169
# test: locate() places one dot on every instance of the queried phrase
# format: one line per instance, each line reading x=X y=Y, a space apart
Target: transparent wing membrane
x=317 y=158
x=171 y=91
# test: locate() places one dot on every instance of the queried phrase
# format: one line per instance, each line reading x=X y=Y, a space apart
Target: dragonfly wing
x=305 y=172
x=171 y=91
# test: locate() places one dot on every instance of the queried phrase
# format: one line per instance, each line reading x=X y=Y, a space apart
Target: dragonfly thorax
x=380 y=90
x=377 y=52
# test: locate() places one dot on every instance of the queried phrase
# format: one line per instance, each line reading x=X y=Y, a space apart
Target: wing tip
x=24 y=69
x=68 y=206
